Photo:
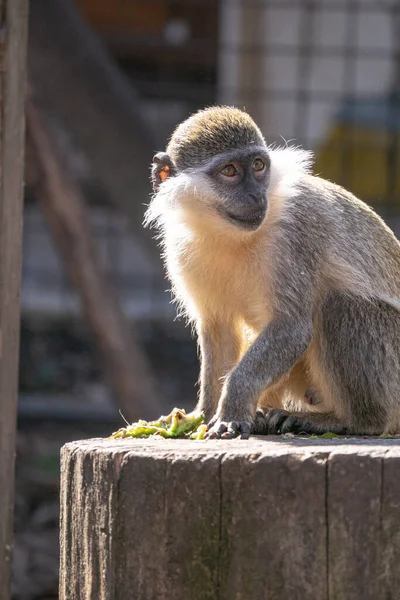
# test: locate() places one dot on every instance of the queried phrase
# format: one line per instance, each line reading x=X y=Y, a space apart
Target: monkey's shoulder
x=319 y=192
x=319 y=205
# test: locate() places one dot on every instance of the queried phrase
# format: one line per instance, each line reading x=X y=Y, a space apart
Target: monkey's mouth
x=250 y=221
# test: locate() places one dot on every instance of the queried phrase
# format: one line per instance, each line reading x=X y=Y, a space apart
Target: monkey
x=162 y=168
x=292 y=284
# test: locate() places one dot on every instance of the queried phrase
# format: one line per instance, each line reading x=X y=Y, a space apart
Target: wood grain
x=270 y=518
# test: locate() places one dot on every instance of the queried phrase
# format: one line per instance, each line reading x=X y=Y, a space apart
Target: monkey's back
x=361 y=251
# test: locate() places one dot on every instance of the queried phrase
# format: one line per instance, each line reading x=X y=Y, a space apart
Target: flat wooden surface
x=261 y=444
x=271 y=517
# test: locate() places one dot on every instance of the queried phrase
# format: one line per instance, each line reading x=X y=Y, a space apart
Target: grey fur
x=357 y=335
x=335 y=294
x=210 y=132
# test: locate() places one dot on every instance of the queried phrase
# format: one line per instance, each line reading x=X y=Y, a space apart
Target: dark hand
x=225 y=429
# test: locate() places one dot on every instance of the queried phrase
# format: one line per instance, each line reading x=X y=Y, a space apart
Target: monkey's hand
x=228 y=424
x=234 y=416
x=228 y=429
x=234 y=428
x=161 y=168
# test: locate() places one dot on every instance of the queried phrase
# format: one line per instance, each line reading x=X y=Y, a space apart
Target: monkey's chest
x=224 y=286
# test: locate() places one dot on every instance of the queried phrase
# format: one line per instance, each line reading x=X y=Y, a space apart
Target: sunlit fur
x=313 y=293
x=191 y=230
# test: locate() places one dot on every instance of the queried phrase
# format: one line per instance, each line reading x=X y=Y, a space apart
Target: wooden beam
x=64 y=208
x=13 y=39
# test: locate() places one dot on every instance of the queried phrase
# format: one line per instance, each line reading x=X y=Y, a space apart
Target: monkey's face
x=240 y=181
x=215 y=171
x=231 y=186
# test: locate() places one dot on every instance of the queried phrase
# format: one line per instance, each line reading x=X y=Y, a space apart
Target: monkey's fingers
x=232 y=431
x=294 y=424
x=280 y=421
x=235 y=429
x=274 y=420
x=260 y=426
x=245 y=429
x=217 y=430
x=228 y=430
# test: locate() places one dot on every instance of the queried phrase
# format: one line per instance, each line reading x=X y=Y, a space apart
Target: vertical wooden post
x=13 y=37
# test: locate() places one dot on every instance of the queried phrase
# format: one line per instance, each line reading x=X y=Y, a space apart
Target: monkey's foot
x=228 y=430
x=278 y=421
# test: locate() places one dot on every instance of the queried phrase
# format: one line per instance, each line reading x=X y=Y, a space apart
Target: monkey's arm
x=219 y=352
x=283 y=341
x=272 y=355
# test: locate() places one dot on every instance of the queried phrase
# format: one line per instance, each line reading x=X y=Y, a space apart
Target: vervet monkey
x=291 y=282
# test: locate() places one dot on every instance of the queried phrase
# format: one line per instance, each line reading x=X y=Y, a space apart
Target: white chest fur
x=217 y=273
x=218 y=278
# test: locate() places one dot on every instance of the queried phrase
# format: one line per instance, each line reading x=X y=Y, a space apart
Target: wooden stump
x=270 y=518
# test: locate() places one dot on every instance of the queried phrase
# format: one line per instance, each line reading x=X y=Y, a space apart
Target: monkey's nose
x=257 y=199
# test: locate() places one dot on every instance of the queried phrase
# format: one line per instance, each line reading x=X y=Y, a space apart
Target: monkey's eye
x=258 y=165
x=229 y=171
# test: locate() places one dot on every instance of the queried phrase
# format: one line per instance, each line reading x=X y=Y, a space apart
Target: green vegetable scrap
x=176 y=424
x=199 y=433
x=328 y=435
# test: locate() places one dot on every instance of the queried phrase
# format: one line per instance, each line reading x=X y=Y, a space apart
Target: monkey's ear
x=162 y=167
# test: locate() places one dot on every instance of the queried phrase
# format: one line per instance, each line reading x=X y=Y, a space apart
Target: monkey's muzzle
x=249 y=219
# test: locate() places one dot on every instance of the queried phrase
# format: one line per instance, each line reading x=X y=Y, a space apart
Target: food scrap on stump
x=176 y=424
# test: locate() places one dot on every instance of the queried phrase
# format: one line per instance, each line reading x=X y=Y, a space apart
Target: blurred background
x=108 y=82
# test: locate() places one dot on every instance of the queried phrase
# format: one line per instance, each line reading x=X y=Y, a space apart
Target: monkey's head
x=221 y=157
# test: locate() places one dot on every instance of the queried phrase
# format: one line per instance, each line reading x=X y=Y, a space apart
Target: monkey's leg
x=292 y=390
x=219 y=351
x=359 y=353
x=274 y=353
x=360 y=350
